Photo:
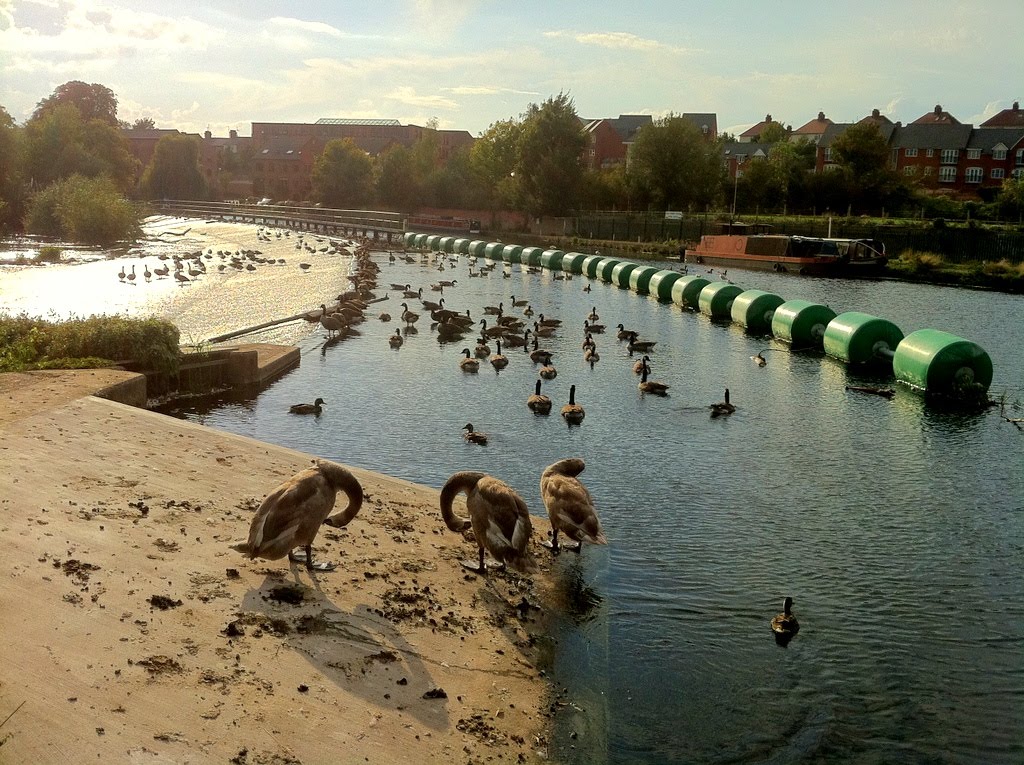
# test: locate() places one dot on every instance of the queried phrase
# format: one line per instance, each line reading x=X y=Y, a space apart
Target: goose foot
x=305 y=556
x=552 y=545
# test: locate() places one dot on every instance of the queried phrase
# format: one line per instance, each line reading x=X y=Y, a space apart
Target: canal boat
x=815 y=256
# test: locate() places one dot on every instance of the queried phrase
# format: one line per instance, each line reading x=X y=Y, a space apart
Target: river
x=897 y=528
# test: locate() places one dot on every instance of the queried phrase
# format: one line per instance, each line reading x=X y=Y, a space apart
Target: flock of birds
x=190 y=267
x=498 y=516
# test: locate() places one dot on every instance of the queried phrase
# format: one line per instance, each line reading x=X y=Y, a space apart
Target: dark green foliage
x=147 y=344
x=174 y=172
x=549 y=169
x=92 y=101
x=342 y=175
x=87 y=210
x=673 y=167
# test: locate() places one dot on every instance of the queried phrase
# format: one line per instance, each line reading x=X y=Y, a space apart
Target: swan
x=498 y=361
x=468 y=364
x=474 y=436
x=650 y=386
x=315 y=408
x=291 y=514
x=573 y=412
x=569 y=505
x=395 y=341
x=538 y=402
x=497 y=515
x=722 y=408
x=785 y=624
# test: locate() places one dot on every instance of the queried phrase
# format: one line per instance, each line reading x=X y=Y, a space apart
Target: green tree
x=861 y=149
x=80 y=209
x=396 y=178
x=862 y=155
x=174 y=172
x=144 y=123
x=550 y=147
x=93 y=102
x=60 y=143
x=1010 y=201
x=11 y=177
x=342 y=175
x=672 y=166
x=606 y=189
x=493 y=161
x=774 y=132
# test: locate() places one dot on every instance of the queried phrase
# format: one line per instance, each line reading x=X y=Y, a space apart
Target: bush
x=148 y=344
x=49 y=255
x=88 y=210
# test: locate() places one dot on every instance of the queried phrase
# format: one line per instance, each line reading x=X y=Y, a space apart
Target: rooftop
x=347 y=121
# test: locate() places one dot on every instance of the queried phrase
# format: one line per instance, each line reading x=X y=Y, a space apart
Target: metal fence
x=955 y=244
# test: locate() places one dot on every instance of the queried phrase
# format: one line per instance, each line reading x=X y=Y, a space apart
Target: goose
x=588 y=342
x=573 y=412
x=482 y=350
x=291 y=514
x=417 y=293
x=591 y=355
x=181 y=278
x=547 y=372
x=498 y=361
x=519 y=303
x=498 y=516
x=474 y=436
x=593 y=314
x=315 y=408
x=385 y=317
x=623 y=333
x=722 y=408
x=131 y=277
x=450 y=283
x=541 y=331
x=527 y=311
x=650 y=386
x=493 y=309
x=538 y=403
x=399 y=287
x=332 y=323
x=468 y=364
x=539 y=354
x=589 y=326
x=395 y=341
x=640 y=345
x=146 y=273
x=121 y=274
x=408 y=316
x=638 y=367
x=785 y=624
x=497 y=331
x=437 y=287
x=515 y=341
x=570 y=506
x=759 y=359
x=305 y=266
x=549 y=322
x=430 y=305
x=587 y=288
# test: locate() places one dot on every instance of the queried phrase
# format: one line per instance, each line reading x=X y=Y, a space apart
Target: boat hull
x=776 y=253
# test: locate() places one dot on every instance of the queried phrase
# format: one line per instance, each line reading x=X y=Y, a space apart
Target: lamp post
x=735 y=187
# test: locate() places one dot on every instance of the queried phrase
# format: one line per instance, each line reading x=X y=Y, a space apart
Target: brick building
x=610 y=140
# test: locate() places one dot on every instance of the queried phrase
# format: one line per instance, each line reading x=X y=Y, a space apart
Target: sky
x=223 y=64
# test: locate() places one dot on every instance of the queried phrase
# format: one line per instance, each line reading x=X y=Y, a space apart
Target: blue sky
x=222 y=64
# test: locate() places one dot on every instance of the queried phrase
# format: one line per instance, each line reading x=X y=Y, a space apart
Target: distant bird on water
x=291 y=514
x=785 y=625
x=315 y=408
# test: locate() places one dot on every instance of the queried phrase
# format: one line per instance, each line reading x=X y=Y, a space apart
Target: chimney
x=938 y=109
x=1016 y=106
x=875 y=113
x=821 y=116
x=233 y=134
x=768 y=118
x=207 y=135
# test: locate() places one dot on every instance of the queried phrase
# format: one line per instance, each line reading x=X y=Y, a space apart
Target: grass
x=1002 y=275
x=28 y=343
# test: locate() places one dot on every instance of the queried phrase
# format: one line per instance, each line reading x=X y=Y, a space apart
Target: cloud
x=617 y=40
x=407 y=95
x=315 y=27
x=486 y=90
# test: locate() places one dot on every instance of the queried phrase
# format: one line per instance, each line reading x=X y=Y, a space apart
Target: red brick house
x=753 y=134
x=811 y=131
x=1012 y=117
x=936 y=116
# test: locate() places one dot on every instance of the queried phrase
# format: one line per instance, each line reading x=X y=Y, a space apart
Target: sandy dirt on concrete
x=133 y=634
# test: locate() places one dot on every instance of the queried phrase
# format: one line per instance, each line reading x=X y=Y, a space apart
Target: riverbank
x=137 y=635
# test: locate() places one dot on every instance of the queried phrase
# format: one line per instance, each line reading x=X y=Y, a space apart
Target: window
x=929 y=171
x=1016 y=173
x=828 y=154
x=949 y=156
x=974 y=175
x=930 y=153
x=910 y=152
x=974 y=154
x=1020 y=157
x=947 y=174
x=998 y=173
x=999 y=152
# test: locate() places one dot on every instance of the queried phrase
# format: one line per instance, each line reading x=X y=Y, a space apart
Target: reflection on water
x=895 y=527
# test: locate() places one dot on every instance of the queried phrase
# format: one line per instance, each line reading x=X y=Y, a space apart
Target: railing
x=311 y=217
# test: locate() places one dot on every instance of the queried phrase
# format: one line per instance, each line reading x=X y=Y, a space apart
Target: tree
x=11 y=162
x=79 y=209
x=862 y=155
x=861 y=149
x=673 y=166
x=493 y=161
x=342 y=175
x=60 y=143
x=396 y=181
x=174 y=172
x=606 y=189
x=550 y=147
x=93 y=102
x=1010 y=201
x=144 y=123
x=773 y=133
